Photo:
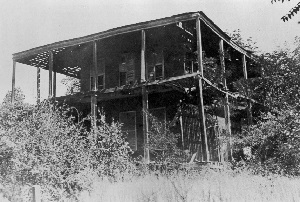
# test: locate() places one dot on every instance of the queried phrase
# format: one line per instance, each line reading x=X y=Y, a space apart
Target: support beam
x=144 y=99
x=38 y=85
x=94 y=67
x=145 y=124
x=93 y=97
x=93 y=111
x=226 y=106
x=13 y=82
x=249 y=108
x=143 y=60
x=50 y=74
x=54 y=84
x=204 y=142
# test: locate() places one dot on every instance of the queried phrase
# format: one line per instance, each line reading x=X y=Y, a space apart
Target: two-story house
x=162 y=66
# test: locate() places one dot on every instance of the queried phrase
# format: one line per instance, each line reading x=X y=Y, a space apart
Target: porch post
x=13 y=82
x=143 y=61
x=201 y=105
x=54 y=84
x=50 y=74
x=93 y=97
x=38 y=85
x=249 y=110
x=226 y=107
x=145 y=124
x=145 y=100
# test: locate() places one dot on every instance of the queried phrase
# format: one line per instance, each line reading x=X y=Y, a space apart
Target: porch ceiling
x=68 y=50
x=67 y=60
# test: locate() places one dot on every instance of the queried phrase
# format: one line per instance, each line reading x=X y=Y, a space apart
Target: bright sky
x=26 y=24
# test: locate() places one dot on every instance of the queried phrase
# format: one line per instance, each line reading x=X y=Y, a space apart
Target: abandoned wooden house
x=175 y=68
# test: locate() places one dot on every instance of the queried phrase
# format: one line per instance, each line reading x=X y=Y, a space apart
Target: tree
x=291 y=13
x=279 y=86
x=18 y=99
x=275 y=138
x=72 y=84
x=46 y=147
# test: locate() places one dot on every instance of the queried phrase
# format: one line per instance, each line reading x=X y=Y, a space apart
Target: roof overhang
x=25 y=56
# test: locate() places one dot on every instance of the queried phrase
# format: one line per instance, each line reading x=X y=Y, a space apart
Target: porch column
x=249 y=109
x=38 y=85
x=93 y=97
x=145 y=124
x=226 y=106
x=13 y=82
x=54 y=84
x=143 y=60
x=145 y=99
x=201 y=105
x=50 y=74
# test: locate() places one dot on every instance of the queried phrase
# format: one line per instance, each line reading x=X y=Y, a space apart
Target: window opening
x=128 y=119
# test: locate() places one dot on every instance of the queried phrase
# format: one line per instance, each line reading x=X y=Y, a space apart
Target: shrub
x=163 y=142
x=47 y=148
x=275 y=143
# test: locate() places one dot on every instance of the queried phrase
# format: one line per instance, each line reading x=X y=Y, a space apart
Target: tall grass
x=207 y=185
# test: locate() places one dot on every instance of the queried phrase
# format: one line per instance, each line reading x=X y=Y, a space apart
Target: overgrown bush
x=275 y=143
x=163 y=143
x=45 y=147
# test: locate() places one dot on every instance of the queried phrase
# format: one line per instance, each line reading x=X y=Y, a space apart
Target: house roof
x=38 y=56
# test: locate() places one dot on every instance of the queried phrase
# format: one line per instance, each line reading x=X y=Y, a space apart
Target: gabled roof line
x=131 y=28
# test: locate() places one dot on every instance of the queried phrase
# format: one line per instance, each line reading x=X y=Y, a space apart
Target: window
x=128 y=119
x=122 y=78
x=101 y=82
x=159 y=74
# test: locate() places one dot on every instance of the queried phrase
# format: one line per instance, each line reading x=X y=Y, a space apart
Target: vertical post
x=249 y=110
x=201 y=105
x=226 y=107
x=36 y=193
x=143 y=60
x=13 y=82
x=38 y=85
x=50 y=74
x=145 y=99
x=54 y=84
x=145 y=124
x=94 y=68
x=93 y=97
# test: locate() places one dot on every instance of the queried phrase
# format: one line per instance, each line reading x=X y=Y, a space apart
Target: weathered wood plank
x=50 y=74
x=13 y=82
x=226 y=106
x=201 y=105
x=95 y=87
x=38 y=85
x=54 y=84
x=145 y=124
x=249 y=103
x=143 y=60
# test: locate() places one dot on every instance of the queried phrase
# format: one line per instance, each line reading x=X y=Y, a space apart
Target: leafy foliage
x=291 y=13
x=279 y=85
x=47 y=148
x=162 y=142
x=274 y=140
x=18 y=99
x=72 y=84
x=275 y=143
x=248 y=44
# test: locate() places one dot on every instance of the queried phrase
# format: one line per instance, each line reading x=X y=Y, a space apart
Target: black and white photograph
x=150 y=101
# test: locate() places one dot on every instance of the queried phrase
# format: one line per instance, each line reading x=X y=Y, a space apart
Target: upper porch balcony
x=144 y=53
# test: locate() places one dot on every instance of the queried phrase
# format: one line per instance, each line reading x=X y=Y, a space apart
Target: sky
x=26 y=24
